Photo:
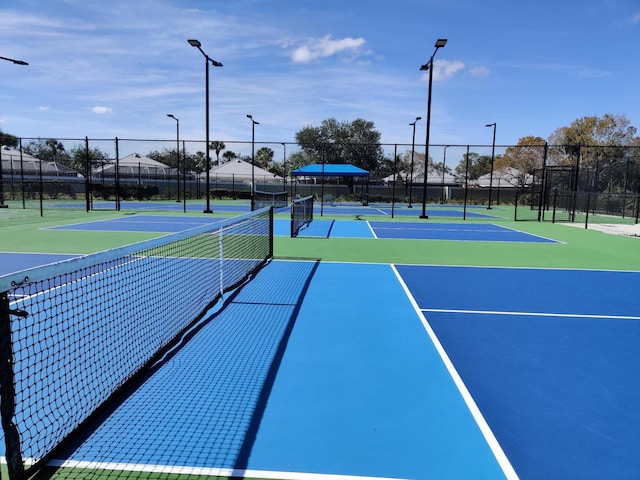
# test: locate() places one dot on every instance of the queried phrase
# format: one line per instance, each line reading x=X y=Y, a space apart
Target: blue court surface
x=14 y=262
x=421 y=372
x=329 y=208
x=424 y=230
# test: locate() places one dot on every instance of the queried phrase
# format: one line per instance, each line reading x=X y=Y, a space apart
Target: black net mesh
x=77 y=331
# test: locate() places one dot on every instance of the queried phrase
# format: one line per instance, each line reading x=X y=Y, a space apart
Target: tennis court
x=329 y=366
x=487 y=232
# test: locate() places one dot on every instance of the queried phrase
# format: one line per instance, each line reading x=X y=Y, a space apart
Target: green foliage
x=356 y=143
x=9 y=140
x=478 y=165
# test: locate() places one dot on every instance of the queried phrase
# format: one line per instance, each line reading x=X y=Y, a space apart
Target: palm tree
x=217 y=146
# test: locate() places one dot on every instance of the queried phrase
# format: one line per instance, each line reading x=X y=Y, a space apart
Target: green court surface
x=579 y=247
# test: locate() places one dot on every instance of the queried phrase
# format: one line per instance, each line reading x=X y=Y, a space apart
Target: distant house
x=505 y=178
x=237 y=170
x=134 y=166
x=433 y=178
x=16 y=164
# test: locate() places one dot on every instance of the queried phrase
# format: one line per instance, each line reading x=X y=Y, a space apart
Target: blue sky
x=116 y=68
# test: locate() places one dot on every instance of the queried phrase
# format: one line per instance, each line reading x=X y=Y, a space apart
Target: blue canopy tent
x=332 y=170
x=329 y=170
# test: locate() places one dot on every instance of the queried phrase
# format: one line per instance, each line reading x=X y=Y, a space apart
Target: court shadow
x=197 y=410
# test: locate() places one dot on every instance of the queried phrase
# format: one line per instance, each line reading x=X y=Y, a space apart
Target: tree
x=527 y=156
x=97 y=158
x=49 y=150
x=356 y=142
x=199 y=162
x=478 y=165
x=217 y=146
x=264 y=158
x=8 y=140
x=166 y=156
x=602 y=137
x=229 y=155
x=600 y=147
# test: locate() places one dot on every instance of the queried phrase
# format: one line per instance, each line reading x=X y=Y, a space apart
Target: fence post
x=466 y=185
x=87 y=178
x=586 y=220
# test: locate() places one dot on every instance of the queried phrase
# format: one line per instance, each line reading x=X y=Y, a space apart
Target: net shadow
x=198 y=410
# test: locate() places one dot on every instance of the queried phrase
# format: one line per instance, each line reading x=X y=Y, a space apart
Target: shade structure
x=329 y=170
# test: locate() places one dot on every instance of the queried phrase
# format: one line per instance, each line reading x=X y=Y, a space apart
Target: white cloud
x=479 y=71
x=101 y=110
x=327 y=47
x=636 y=18
x=446 y=69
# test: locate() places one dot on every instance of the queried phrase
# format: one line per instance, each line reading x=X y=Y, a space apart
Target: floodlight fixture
x=441 y=42
x=12 y=60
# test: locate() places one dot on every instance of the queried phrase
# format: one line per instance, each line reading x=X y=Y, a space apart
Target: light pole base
x=207 y=211
x=489 y=208
x=424 y=216
x=410 y=206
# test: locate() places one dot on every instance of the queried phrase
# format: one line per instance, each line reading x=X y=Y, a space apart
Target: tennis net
x=270 y=199
x=72 y=334
x=301 y=214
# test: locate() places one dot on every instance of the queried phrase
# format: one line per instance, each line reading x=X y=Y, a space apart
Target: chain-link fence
x=112 y=174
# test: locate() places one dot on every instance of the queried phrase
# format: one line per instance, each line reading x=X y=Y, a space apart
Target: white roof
x=240 y=170
x=434 y=178
x=13 y=162
x=507 y=177
x=136 y=163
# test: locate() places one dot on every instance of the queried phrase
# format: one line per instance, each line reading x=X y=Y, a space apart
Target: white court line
x=371 y=229
x=490 y=438
x=213 y=472
x=531 y=314
x=532 y=234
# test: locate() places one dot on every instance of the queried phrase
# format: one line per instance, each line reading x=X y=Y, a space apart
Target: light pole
x=493 y=150
x=253 y=160
x=2 y=204
x=444 y=164
x=207 y=59
x=177 y=153
x=441 y=42
x=413 y=147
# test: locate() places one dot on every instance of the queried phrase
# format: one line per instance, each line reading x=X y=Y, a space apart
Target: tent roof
x=329 y=170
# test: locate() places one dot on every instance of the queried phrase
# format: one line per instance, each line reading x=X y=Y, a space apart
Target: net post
x=293 y=223
x=15 y=464
x=271 y=232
